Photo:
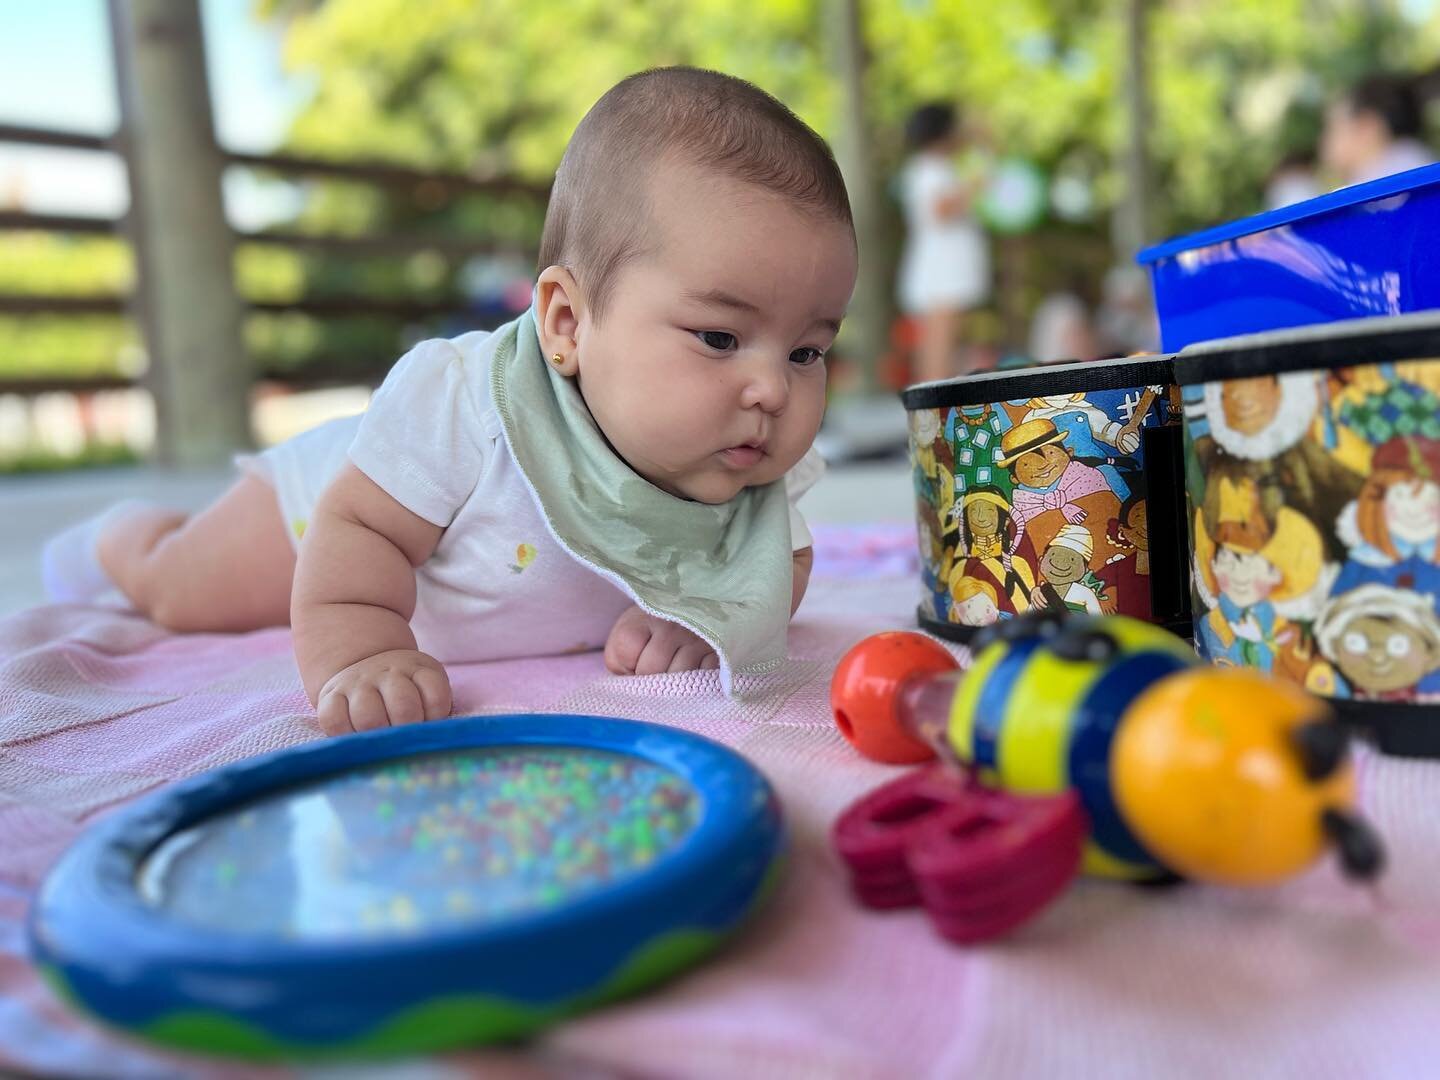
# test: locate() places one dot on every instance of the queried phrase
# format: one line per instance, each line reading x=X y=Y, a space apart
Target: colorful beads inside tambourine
x=423 y=843
x=981 y=862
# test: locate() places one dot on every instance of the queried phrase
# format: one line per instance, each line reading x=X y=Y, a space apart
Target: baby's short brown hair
x=596 y=219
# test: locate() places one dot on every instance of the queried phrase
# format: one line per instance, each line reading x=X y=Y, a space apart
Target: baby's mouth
x=745 y=454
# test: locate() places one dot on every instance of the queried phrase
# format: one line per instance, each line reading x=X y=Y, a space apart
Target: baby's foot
x=70 y=563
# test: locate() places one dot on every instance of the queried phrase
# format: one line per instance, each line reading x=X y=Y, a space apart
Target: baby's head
x=697 y=258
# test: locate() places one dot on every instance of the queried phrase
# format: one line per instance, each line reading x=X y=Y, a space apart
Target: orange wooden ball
x=864 y=693
x=1205 y=771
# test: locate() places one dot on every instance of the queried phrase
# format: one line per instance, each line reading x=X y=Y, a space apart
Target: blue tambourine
x=409 y=890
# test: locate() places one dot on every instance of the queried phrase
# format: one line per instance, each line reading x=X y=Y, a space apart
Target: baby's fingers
x=690 y=656
x=624 y=647
x=656 y=657
x=435 y=696
x=402 y=700
x=334 y=714
x=367 y=708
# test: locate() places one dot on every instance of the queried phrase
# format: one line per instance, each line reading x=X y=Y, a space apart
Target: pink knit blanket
x=1314 y=979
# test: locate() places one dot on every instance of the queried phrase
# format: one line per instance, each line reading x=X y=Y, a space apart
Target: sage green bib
x=722 y=571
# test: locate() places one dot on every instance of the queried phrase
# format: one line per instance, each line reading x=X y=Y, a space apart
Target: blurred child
x=1291 y=181
x=945 y=268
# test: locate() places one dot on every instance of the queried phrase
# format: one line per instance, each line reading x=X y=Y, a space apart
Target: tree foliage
x=495 y=88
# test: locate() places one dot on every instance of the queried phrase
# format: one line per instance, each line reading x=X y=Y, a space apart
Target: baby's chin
x=716 y=487
x=712 y=490
x=712 y=483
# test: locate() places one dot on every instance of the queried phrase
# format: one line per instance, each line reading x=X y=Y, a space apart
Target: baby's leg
x=227 y=568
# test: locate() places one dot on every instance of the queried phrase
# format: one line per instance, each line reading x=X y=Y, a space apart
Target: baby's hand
x=640 y=644
x=402 y=686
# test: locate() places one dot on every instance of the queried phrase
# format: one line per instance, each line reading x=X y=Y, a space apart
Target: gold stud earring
x=557 y=359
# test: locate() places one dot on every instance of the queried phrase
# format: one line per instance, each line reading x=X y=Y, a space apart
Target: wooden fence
x=322 y=370
x=137 y=229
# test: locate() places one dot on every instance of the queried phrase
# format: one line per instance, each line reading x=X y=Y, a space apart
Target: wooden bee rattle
x=1074 y=743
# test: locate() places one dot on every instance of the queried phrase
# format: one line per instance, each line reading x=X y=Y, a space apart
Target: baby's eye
x=1357 y=643
x=806 y=357
x=1398 y=645
x=718 y=340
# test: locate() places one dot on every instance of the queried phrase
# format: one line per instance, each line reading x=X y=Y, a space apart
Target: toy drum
x=1054 y=487
x=1312 y=465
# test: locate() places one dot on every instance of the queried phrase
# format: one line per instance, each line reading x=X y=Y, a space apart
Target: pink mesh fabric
x=1315 y=979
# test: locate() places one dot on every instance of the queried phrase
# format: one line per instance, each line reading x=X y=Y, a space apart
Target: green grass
x=97 y=456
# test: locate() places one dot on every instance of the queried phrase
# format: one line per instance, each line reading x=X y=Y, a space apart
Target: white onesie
x=498 y=586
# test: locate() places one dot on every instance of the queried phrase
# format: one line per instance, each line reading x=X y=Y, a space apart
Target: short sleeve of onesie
x=421 y=438
x=800 y=479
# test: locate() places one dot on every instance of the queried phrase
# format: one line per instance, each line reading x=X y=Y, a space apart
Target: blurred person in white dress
x=945 y=267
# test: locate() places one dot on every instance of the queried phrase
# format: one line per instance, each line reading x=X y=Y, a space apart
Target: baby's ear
x=559 y=310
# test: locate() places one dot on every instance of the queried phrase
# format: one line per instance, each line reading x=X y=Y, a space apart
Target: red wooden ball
x=864 y=693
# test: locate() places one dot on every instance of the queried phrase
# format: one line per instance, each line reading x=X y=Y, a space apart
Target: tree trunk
x=867 y=327
x=1130 y=226
x=189 y=310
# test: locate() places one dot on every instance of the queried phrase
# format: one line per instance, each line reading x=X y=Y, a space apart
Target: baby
x=617 y=467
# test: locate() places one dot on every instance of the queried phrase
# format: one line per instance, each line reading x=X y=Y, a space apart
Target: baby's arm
x=641 y=644
x=803 y=561
x=350 y=609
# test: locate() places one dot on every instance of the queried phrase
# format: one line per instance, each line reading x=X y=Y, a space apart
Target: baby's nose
x=767 y=387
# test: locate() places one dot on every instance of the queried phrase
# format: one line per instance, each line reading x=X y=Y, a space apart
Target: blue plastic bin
x=1371 y=249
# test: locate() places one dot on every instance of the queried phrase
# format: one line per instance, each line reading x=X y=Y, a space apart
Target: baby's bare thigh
x=233 y=560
